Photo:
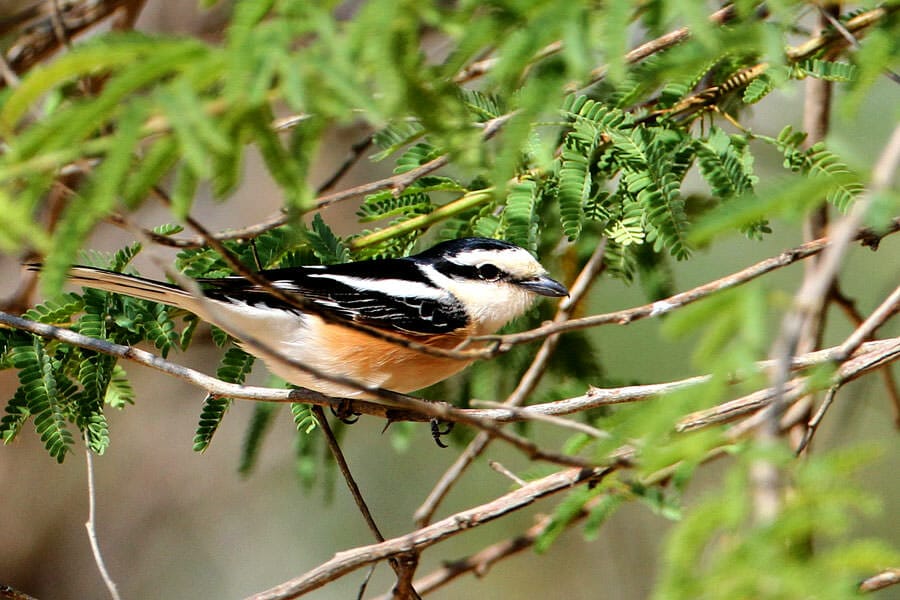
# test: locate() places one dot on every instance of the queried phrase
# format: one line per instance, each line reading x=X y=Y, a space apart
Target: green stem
x=462 y=204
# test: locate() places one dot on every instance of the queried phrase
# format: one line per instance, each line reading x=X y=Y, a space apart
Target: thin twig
x=875 y=320
x=524 y=415
x=338 y=455
x=358 y=498
x=870 y=356
x=882 y=580
x=667 y=305
x=495 y=465
x=356 y=152
x=90 y=525
x=887 y=376
x=813 y=425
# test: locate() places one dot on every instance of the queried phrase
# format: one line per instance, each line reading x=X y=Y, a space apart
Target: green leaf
x=56 y=311
x=160 y=329
x=119 y=392
x=17 y=414
x=94 y=374
x=385 y=205
x=304 y=420
x=521 y=215
x=395 y=136
x=416 y=156
x=829 y=70
x=574 y=190
x=37 y=380
x=758 y=89
x=234 y=368
x=85 y=60
x=98 y=200
x=263 y=417
x=327 y=247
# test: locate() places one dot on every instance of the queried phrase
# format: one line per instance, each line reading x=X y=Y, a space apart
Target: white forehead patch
x=515 y=261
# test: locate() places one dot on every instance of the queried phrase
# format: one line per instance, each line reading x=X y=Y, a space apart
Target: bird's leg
x=437 y=433
x=344 y=413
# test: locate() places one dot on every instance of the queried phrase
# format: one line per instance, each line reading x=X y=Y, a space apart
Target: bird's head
x=494 y=280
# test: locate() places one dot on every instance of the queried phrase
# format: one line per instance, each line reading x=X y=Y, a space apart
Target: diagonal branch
x=350 y=560
x=661 y=307
x=43 y=23
x=404 y=575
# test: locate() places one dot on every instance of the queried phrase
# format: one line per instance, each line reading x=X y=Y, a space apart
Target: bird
x=439 y=297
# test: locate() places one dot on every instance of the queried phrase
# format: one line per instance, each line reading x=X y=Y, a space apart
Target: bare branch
x=495 y=465
x=43 y=24
x=404 y=575
x=875 y=320
x=90 y=525
x=880 y=581
x=870 y=356
x=350 y=560
x=813 y=425
x=661 y=307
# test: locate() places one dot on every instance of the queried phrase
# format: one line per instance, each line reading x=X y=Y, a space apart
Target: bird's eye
x=488 y=272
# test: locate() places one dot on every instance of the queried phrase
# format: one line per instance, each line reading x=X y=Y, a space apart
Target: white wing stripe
x=391 y=287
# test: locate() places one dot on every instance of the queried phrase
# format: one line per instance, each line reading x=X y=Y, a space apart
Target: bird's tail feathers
x=131 y=285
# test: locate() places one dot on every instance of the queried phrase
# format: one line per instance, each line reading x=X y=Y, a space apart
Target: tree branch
x=42 y=24
x=350 y=560
x=661 y=307
x=401 y=568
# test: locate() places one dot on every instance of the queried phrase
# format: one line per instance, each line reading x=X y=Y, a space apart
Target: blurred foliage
x=584 y=144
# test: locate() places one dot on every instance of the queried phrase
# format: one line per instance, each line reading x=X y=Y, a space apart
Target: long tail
x=131 y=285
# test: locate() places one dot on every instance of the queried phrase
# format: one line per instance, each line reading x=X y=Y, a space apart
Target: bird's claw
x=437 y=432
x=344 y=413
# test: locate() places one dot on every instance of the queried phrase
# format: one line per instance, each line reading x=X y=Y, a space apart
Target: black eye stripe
x=483 y=272
x=456 y=270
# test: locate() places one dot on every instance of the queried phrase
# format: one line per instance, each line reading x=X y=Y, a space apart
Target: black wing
x=389 y=294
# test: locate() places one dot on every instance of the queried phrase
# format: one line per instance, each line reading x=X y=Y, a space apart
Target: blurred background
x=176 y=524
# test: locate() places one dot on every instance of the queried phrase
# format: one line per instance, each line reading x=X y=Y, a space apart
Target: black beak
x=545 y=286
